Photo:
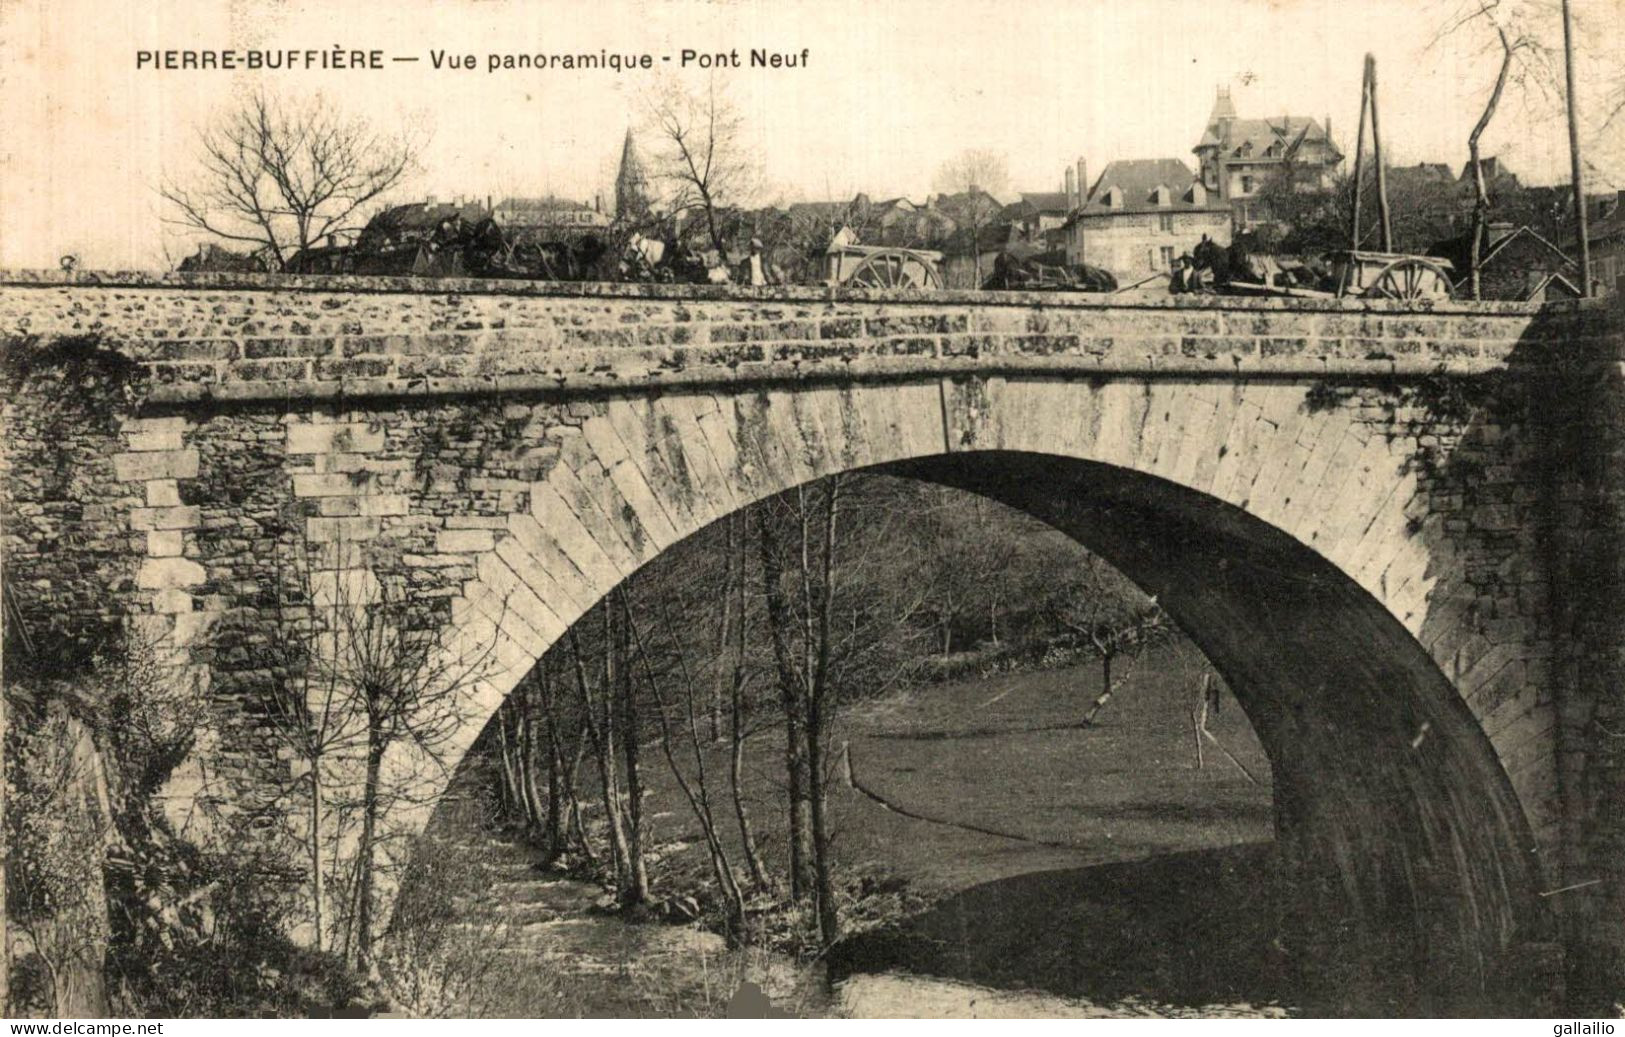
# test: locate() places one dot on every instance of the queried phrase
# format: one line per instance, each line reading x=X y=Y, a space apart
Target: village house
x=1497 y=177
x=1517 y=264
x=1141 y=216
x=1607 y=238
x=547 y=218
x=1038 y=213
x=1237 y=157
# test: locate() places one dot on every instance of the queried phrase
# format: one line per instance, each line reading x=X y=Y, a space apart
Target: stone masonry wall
x=185 y=454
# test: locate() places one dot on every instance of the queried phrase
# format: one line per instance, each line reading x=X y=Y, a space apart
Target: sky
x=889 y=92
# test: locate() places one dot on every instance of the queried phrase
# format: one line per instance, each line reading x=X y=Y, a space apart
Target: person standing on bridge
x=756 y=272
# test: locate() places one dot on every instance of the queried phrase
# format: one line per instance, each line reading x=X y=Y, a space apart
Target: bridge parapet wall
x=242 y=337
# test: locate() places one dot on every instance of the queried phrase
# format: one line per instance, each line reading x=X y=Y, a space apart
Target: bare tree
x=598 y=720
x=282 y=176
x=625 y=692
x=697 y=791
x=1521 y=60
x=311 y=716
x=1101 y=611
x=702 y=158
x=979 y=176
x=409 y=690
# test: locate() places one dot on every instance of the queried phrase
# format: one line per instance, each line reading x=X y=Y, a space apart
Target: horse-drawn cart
x=878 y=266
x=1352 y=274
x=1389 y=275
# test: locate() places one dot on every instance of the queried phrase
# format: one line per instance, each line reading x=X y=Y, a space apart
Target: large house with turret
x=1236 y=157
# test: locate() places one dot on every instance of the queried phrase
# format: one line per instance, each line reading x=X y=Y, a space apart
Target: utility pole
x=1574 y=152
x=1359 y=157
x=1376 y=156
x=1368 y=104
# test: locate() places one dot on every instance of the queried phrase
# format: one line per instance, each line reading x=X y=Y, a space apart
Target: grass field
x=1124 y=874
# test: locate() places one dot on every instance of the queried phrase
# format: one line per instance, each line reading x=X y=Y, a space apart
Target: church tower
x=632 y=198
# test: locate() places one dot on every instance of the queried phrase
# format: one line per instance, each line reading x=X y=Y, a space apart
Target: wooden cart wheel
x=1411 y=278
x=893 y=268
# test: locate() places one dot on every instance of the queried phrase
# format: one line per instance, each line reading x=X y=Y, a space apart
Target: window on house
x=1247 y=184
x=1167 y=257
x=1165 y=223
x=1151 y=259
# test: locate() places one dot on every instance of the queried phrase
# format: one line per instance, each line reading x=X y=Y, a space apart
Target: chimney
x=1083 y=180
x=1071 y=188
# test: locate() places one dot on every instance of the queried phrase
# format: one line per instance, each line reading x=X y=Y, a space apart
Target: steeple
x=631 y=182
x=1223 y=110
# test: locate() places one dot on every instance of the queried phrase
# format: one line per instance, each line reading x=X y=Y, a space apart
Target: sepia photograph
x=729 y=509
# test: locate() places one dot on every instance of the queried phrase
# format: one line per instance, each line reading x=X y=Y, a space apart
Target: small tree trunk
x=512 y=806
x=534 y=813
x=554 y=833
x=829 y=929
x=1106 y=654
x=795 y=746
x=1481 y=197
x=637 y=889
x=598 y=719
x=736 y=728
x=367 y=849
x=317 y=879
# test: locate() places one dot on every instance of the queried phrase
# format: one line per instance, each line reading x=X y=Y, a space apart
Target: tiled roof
x=1494 y=169
x=1138 y=180
x=1252 y=138
x=1046 y=201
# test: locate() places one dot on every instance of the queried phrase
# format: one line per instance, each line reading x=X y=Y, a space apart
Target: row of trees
x=765 y=625
x=275 y=177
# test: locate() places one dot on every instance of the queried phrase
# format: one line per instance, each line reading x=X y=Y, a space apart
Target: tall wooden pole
x=1376 y=156
x=1359 y=156
x=5 y=931
x=1574 y=152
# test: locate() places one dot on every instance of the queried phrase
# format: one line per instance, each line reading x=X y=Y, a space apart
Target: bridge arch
x=1288 y=538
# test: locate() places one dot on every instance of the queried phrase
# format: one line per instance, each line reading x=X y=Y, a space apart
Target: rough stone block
x=162 y=493
x=332 y=484
x=186 y=516
x=169 y=439
x=373 y=504
x=341 y=529
x=165 y=543
x=157 y=464
x=455 y=541
x=172 y=601
x=164 y=573
x=344 y=437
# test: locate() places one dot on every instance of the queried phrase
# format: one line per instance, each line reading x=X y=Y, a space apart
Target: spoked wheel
x=893 y=269
x=1410 y=279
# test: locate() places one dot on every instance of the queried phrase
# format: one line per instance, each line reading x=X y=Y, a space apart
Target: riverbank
x=1012 y=862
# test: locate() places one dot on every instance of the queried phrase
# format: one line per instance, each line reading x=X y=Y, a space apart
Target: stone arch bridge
x=1395 y=532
